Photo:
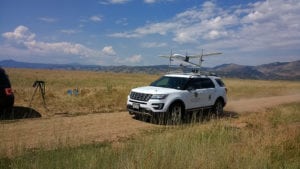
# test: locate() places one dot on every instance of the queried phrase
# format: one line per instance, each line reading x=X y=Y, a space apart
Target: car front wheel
x=175 y=113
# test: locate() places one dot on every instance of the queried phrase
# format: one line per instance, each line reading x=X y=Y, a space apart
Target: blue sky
x=132 y=32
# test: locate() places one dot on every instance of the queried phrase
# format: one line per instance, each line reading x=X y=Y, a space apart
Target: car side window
x=200 y=83
x=207 y=83
x=194 y=84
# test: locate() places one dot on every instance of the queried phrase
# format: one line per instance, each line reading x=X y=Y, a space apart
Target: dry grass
x=239 y=89
x=107 y=92
x=255 y=140
x=269 y=139
x=98 y=92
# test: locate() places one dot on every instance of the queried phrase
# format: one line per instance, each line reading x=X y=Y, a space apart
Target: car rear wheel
x=218 y=108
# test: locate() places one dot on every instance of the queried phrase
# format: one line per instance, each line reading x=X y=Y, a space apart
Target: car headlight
x=159 y=96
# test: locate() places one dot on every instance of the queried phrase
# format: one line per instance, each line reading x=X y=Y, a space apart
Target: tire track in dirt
x=259 y=104
x=56 y=131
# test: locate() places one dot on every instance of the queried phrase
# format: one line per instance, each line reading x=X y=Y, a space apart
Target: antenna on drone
x=201 y=60
x=170 y=59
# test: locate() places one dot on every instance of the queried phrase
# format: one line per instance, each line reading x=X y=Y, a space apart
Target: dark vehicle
x=6 y=94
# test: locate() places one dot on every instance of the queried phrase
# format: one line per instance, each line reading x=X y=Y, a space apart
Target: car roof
x=191 y=75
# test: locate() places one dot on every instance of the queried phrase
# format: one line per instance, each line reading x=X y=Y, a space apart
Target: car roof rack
x=194 y=73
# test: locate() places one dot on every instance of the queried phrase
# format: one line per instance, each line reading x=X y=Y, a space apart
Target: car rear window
x=220 y=82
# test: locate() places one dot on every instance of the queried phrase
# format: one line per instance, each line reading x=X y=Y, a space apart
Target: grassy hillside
x=269 y=139
x=107 y=92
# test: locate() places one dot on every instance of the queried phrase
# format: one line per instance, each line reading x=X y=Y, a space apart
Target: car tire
x=175 y=114
x=218 y=108
x=158 y=118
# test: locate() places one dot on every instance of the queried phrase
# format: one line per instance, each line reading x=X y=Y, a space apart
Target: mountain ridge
x=271 y=71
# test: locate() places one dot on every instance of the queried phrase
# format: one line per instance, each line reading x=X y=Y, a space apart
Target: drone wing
x=165 y=56
x=174 y=56
x=208 y=54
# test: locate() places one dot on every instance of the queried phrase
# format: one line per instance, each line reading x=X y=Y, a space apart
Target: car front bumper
x=150 y=108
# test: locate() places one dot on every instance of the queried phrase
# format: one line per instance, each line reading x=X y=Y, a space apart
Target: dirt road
x=54 y=131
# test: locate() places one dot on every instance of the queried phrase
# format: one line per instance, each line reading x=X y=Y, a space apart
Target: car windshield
x=171 y=82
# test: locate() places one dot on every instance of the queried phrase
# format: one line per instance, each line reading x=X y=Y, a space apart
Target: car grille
x=140 y=96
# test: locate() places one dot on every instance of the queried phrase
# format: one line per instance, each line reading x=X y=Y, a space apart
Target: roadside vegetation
x=269 y=139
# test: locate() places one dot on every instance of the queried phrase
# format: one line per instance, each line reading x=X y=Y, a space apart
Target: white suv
x=173 y=96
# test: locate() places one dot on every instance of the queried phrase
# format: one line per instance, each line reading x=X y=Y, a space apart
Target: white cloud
x=96 y=18
x=24 y=38
x=134 y=59
x=69 y=31
x=266 y=26
x=155 y=1
x=215 y=34
x=150 y=1
x=156 y=28
x=129 y=60
x=153 y=45
x=270 y=25
x=122 y=21
x=188 y=26
x=107 y=2
x=184 y=37
x=47 y=19
x=45 y=48
x=21 y=33
x=261 y=25
x=124 y=35
x=108 y=50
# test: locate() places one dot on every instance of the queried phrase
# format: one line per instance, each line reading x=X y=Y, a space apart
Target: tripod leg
x=32 y=96
x=42 y=89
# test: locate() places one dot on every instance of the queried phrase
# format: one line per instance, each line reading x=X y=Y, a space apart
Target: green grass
x=269 y=139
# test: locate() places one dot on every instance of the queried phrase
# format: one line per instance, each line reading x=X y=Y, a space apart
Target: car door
x=196 y=94
x=208 y=91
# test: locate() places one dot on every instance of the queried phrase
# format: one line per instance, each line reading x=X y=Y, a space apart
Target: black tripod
x=41 y=85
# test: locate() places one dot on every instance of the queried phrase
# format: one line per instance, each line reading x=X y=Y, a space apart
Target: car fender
x=176 y=98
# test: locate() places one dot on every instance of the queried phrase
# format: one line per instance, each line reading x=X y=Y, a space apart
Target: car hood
x=154 y=90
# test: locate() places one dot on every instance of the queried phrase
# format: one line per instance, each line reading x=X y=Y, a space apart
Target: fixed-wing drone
x=186 y=58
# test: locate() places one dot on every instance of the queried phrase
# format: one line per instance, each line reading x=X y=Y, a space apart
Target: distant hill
x=277 y=70
x=125 y=69
x=238 y=71
x=16 y=64
x=285 y=70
